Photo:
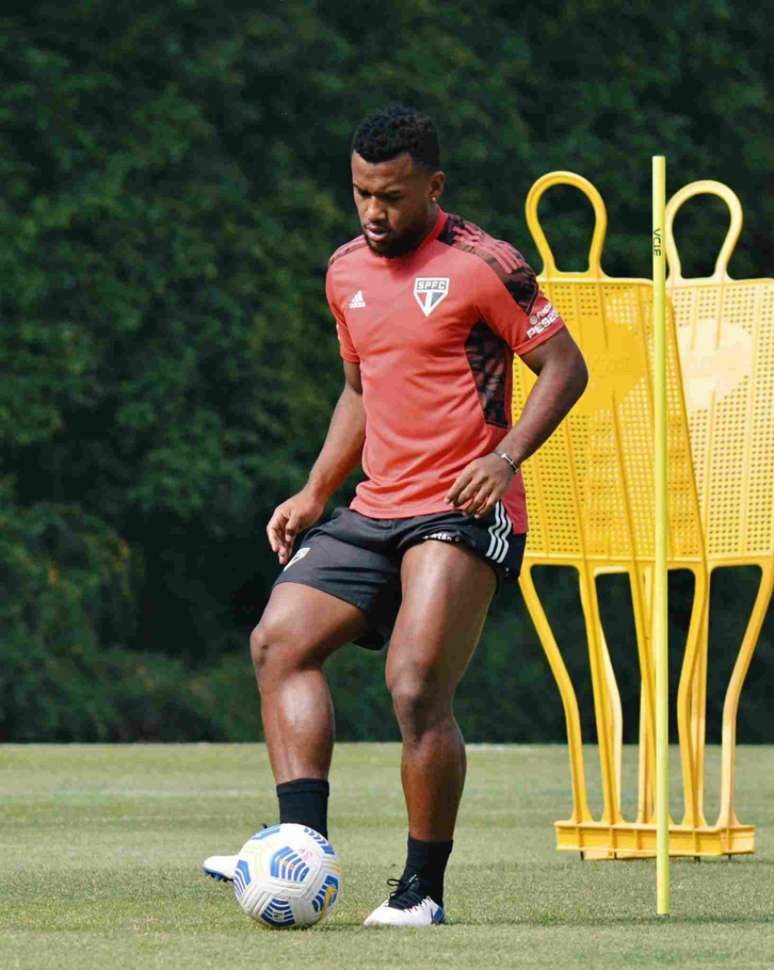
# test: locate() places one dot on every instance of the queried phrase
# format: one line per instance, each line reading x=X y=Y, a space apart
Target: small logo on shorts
x=299 y=555
x=444 y=536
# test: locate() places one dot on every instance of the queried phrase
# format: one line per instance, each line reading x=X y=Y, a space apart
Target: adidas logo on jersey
x=357 y=301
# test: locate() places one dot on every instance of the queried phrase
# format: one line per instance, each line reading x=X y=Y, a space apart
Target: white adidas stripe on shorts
x=499 y=530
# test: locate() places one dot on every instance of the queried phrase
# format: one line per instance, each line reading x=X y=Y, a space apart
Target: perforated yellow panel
x=591 y=504
x=726 y=338
x=590 y=487
x=725 y=333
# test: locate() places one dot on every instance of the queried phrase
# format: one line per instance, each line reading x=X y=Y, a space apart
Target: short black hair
x=390 y=131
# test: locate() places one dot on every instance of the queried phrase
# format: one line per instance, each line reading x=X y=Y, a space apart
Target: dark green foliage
x=174 y=177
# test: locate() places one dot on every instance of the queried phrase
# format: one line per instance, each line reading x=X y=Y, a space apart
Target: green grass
x=100 y=848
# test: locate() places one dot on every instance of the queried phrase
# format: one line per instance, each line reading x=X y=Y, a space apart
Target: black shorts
x=357 y=558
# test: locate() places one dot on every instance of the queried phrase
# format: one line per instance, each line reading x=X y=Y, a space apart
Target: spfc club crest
x=429 y=291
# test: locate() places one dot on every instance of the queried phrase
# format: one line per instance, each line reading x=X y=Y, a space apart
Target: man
x=429 y=311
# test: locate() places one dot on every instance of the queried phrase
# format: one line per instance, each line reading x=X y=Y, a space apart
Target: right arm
x=340 y=454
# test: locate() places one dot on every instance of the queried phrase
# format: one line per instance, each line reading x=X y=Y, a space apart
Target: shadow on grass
x=580 y=921
x=584 y=921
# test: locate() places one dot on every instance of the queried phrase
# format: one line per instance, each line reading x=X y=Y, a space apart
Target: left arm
x=561 y=379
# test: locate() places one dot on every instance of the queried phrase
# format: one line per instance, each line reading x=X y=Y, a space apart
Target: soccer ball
x=287 y=875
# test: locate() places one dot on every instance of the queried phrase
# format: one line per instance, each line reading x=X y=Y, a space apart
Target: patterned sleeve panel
x=508 y=296
x=514 y=306
x=346 y=347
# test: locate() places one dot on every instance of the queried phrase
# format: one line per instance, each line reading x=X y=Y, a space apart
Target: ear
x=436 y=185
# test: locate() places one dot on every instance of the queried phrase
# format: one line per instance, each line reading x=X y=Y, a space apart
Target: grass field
x=101 y=848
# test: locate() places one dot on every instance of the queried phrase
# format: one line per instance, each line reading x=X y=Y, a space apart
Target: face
x=395 y=202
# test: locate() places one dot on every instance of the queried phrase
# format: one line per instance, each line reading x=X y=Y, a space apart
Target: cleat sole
x=217 y=876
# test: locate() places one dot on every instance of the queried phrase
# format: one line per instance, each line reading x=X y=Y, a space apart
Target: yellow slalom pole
x=660 y=621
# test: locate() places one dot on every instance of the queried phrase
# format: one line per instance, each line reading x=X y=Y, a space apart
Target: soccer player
x=429 y=311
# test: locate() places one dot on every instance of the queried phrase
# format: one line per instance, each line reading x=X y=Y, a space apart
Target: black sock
x=427 y=861
x=305 y=801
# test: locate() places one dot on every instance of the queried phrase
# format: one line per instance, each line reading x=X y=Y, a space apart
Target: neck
x=431 y=217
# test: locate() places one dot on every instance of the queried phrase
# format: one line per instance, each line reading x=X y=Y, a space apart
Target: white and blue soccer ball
x=287 y=875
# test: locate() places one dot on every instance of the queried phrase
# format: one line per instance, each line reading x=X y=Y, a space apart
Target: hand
x=480 y=486
x=291 y=517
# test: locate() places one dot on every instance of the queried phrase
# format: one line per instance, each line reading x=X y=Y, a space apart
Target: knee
x=419 y=699
x=269 y=648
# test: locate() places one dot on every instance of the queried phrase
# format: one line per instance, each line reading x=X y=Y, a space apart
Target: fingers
x=468 y=502
x=480 y=486
x=456 y=489
x=291 y=528
x=481 y=502
x=280 y=539
x=470 y=493
x=474 y=498
x=289 y=519
x=462 y=489
x=275 y=530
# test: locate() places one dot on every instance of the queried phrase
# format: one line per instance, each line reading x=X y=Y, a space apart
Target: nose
x=375 y=211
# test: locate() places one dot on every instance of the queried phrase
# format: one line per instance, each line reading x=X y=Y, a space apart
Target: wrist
x=504 y=456
x=317 y=491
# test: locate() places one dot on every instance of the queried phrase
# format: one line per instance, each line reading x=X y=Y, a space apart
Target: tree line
x=174 y=177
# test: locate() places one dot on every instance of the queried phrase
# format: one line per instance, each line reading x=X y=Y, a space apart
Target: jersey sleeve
x=346 y=347
x=512 y=303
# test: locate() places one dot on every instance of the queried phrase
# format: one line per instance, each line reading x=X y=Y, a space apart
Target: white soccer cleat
x=407 y=907
x=220 y=867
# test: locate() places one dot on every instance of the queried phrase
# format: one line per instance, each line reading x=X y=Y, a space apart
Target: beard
x=397 y=245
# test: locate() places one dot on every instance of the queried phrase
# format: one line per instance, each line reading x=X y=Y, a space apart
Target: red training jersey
x=434 y=332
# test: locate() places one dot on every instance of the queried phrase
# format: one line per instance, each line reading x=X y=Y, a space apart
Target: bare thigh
x=447 y=590
x=301 y=624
